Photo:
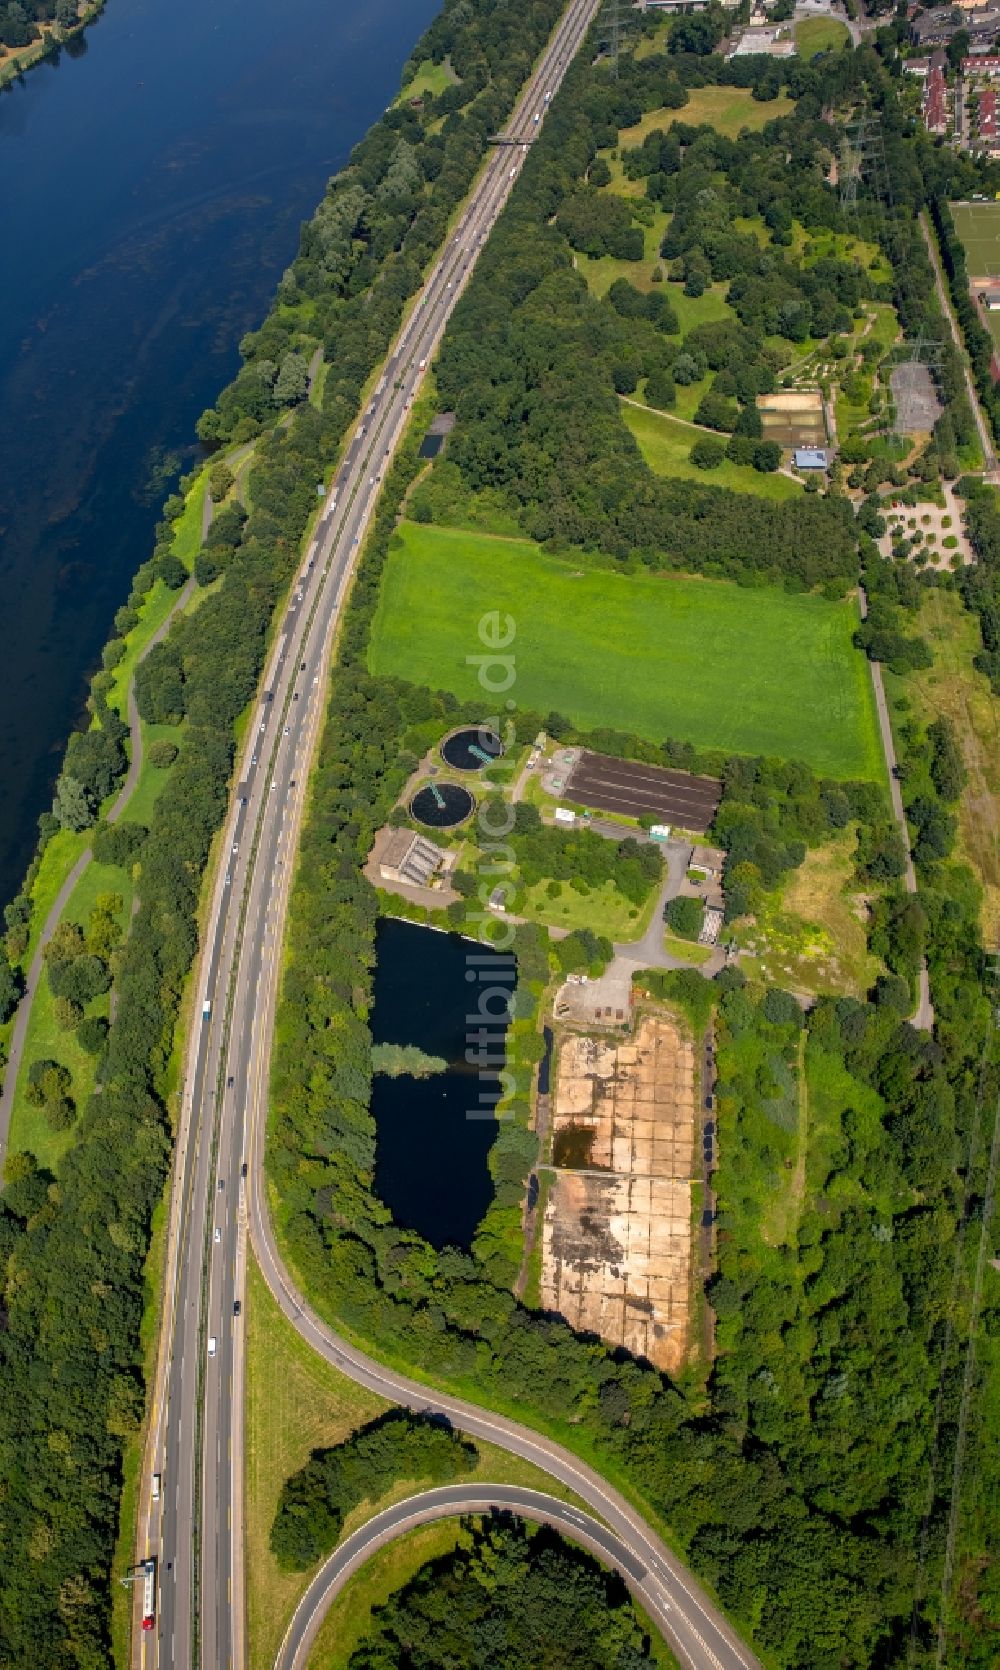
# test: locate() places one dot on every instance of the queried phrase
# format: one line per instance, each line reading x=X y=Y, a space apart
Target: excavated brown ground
x=616 y=1250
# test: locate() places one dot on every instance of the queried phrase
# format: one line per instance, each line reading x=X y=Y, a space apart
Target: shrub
x=684 y=917
x=707 y=454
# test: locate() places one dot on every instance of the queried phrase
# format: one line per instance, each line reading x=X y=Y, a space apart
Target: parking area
x=634 y=790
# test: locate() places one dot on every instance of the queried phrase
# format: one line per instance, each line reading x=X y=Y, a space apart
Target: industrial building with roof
x=410 y=858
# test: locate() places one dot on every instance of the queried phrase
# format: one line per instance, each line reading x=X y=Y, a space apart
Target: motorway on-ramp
x=195 y=1526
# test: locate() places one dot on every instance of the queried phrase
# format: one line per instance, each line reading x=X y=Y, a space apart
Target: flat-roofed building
x=410 y=858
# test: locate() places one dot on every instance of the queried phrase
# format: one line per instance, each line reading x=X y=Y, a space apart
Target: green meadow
x=724 y=666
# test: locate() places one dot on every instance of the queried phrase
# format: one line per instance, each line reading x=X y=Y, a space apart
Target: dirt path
x=23 y=1013
x=923 y=1016
x=531 y=1217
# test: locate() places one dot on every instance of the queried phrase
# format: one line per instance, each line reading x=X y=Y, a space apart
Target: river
x=151 y=191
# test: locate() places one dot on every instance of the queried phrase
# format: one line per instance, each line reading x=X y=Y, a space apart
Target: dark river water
x=151 y=191
x=434 y=1133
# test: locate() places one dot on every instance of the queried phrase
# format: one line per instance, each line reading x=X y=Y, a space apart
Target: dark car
x=708 y=1101
x=243 y=1169
x=708 y=1129
x=707 y=1218
x=229 y=1082
x=236 y=1307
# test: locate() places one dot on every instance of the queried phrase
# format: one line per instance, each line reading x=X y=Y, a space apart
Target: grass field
x=602 y=909
x=978 y=226
x=430 y=79
x=709 y=661
x=727 y=109
x=812 y=936
x=820 y=34
x=666 y=444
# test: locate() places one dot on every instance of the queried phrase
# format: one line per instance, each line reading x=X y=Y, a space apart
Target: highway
x=445 y=1502
x=193 y=1523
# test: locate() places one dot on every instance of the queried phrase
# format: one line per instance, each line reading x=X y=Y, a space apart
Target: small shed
x=809 y=458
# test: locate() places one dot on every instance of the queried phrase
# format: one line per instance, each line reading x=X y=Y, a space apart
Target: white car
x=218 y=1235
x=211 y=1345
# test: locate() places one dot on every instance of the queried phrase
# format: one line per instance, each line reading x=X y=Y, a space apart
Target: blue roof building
x=809 y=458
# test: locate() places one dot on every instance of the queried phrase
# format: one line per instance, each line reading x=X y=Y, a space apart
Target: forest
x=73 y=1247
x=507 y=1596
x=806 y=1480
x=20 y=20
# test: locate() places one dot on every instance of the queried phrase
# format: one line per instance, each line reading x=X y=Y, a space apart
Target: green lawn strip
x=296 y=1403
x=666 y=444
x=45 y=1041
x=319 y=383
x=429 y=79
x=687 y=950
x=727 y=109
x=159 y=600
x=754 y=669
x=60 y=854
x=820 y=34
x=602 y=909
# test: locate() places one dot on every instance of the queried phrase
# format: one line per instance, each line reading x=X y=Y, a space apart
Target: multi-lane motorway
x=193 y=1521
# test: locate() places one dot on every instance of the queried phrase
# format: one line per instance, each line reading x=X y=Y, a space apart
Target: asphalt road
x=447 y=1502
x=195 y=1526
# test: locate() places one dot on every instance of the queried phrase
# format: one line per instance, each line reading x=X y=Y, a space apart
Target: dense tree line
x=507 y=1597
x=317 y=1499
x=21 y=21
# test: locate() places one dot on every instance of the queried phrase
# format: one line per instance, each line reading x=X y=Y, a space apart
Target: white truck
x=206 y=1009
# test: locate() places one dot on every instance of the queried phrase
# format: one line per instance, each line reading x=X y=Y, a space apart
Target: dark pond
x=151 y=192
x=442 y=805
x=471 y=749
x=434 y=1134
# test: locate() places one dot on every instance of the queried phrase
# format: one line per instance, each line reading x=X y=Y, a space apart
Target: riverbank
x=15 y=61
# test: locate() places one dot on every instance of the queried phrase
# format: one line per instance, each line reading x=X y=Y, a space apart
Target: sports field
x=978 y=226
x=757 y=671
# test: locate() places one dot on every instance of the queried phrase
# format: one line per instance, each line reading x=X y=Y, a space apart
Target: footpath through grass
x=754 y=670
x=666 y=444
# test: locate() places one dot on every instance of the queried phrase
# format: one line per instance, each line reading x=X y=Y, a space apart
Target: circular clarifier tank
x=442 y=805
x=471 y=749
